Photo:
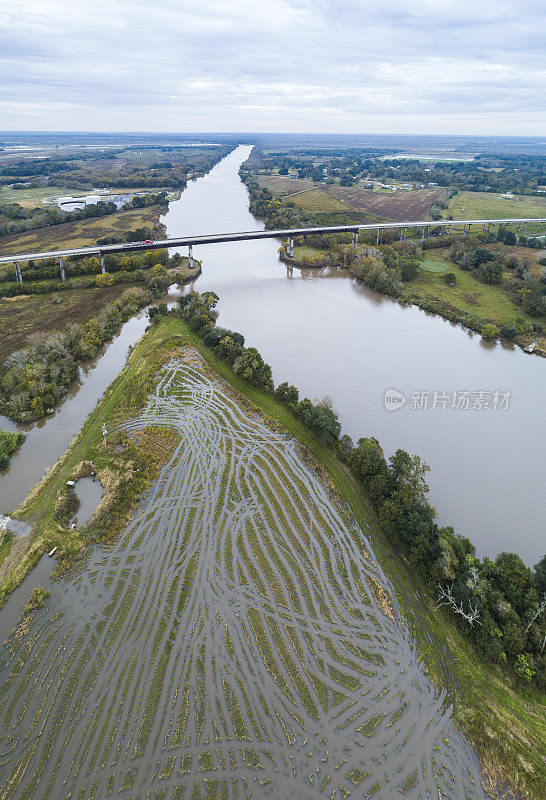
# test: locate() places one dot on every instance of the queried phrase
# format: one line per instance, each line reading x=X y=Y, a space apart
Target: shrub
x=509 y=331
x=489 y=331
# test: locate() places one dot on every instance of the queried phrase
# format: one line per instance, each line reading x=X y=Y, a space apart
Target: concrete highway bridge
x=424 y=227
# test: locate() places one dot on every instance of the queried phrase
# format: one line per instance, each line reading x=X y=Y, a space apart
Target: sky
x=374 y=66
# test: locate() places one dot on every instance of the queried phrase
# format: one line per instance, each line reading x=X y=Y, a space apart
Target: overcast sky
x=374 y=66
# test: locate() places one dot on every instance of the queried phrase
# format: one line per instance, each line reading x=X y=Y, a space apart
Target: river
x=329 y=335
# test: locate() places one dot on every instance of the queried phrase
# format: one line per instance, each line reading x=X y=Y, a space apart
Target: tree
x=250 y=365
x=522 y=668
x=287 y=394
x=482 y=256
x=540 y=576
x=409 y=473
x=367 y=458
x=346 y=443
x=513 y=578
x=491 y=272
x=209 y=299
x=323 y=422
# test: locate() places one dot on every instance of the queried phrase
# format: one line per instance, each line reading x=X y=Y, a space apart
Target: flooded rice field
x=239 y=641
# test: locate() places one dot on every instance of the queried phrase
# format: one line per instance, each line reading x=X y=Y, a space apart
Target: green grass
x=33 y=197
x=6 y=538
x=435 y=265
x=317 y=201
x=467 y=294
x=485 y=205
x=505 y=723
x=303 y=250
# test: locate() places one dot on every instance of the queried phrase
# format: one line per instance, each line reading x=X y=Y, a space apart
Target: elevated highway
x=423 y=226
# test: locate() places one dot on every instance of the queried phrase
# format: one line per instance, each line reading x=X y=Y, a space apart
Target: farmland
x=486 y=205
x=82 y=232
x=318 y=201
x=238 y=640
x=399 y=205
x=22 y=316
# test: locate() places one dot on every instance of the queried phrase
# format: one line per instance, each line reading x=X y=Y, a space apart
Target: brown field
x=397 y=206
x=81 y=233
x=22 y=316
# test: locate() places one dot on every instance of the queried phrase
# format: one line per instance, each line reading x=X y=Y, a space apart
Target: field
x=282 y=185
x=81 y=233
x=399 y=205
x=33 y=197
x=25 y=315
x=317 y=201
x=238 y=640
x=485 y=205
x=468 y=294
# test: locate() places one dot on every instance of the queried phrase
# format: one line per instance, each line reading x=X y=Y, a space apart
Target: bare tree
x=538 y=608
x=445 y=598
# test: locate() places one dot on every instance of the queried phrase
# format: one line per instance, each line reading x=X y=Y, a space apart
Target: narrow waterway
x=47 y=439
x=331 y=336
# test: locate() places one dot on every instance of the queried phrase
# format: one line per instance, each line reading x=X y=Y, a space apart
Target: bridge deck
x=216 y=238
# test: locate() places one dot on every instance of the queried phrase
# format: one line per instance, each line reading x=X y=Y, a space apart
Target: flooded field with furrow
x=238 y=641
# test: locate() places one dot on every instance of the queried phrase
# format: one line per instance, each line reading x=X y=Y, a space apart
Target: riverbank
x=504 y=722
x=420 y=294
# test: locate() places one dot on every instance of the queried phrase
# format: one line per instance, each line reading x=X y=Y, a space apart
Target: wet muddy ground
x=239 y=640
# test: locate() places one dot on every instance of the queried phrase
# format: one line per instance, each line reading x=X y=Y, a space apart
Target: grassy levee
x=125 y=396
x=505 y=722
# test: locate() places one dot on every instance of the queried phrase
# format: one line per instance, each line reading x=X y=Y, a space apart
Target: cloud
x=189 y=65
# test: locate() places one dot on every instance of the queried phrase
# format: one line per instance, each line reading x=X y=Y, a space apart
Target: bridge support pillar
x=190 y=256
x=61 y=269
x=290 y=248
x=355 y=238
x=102 y=269
x=18 y=273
